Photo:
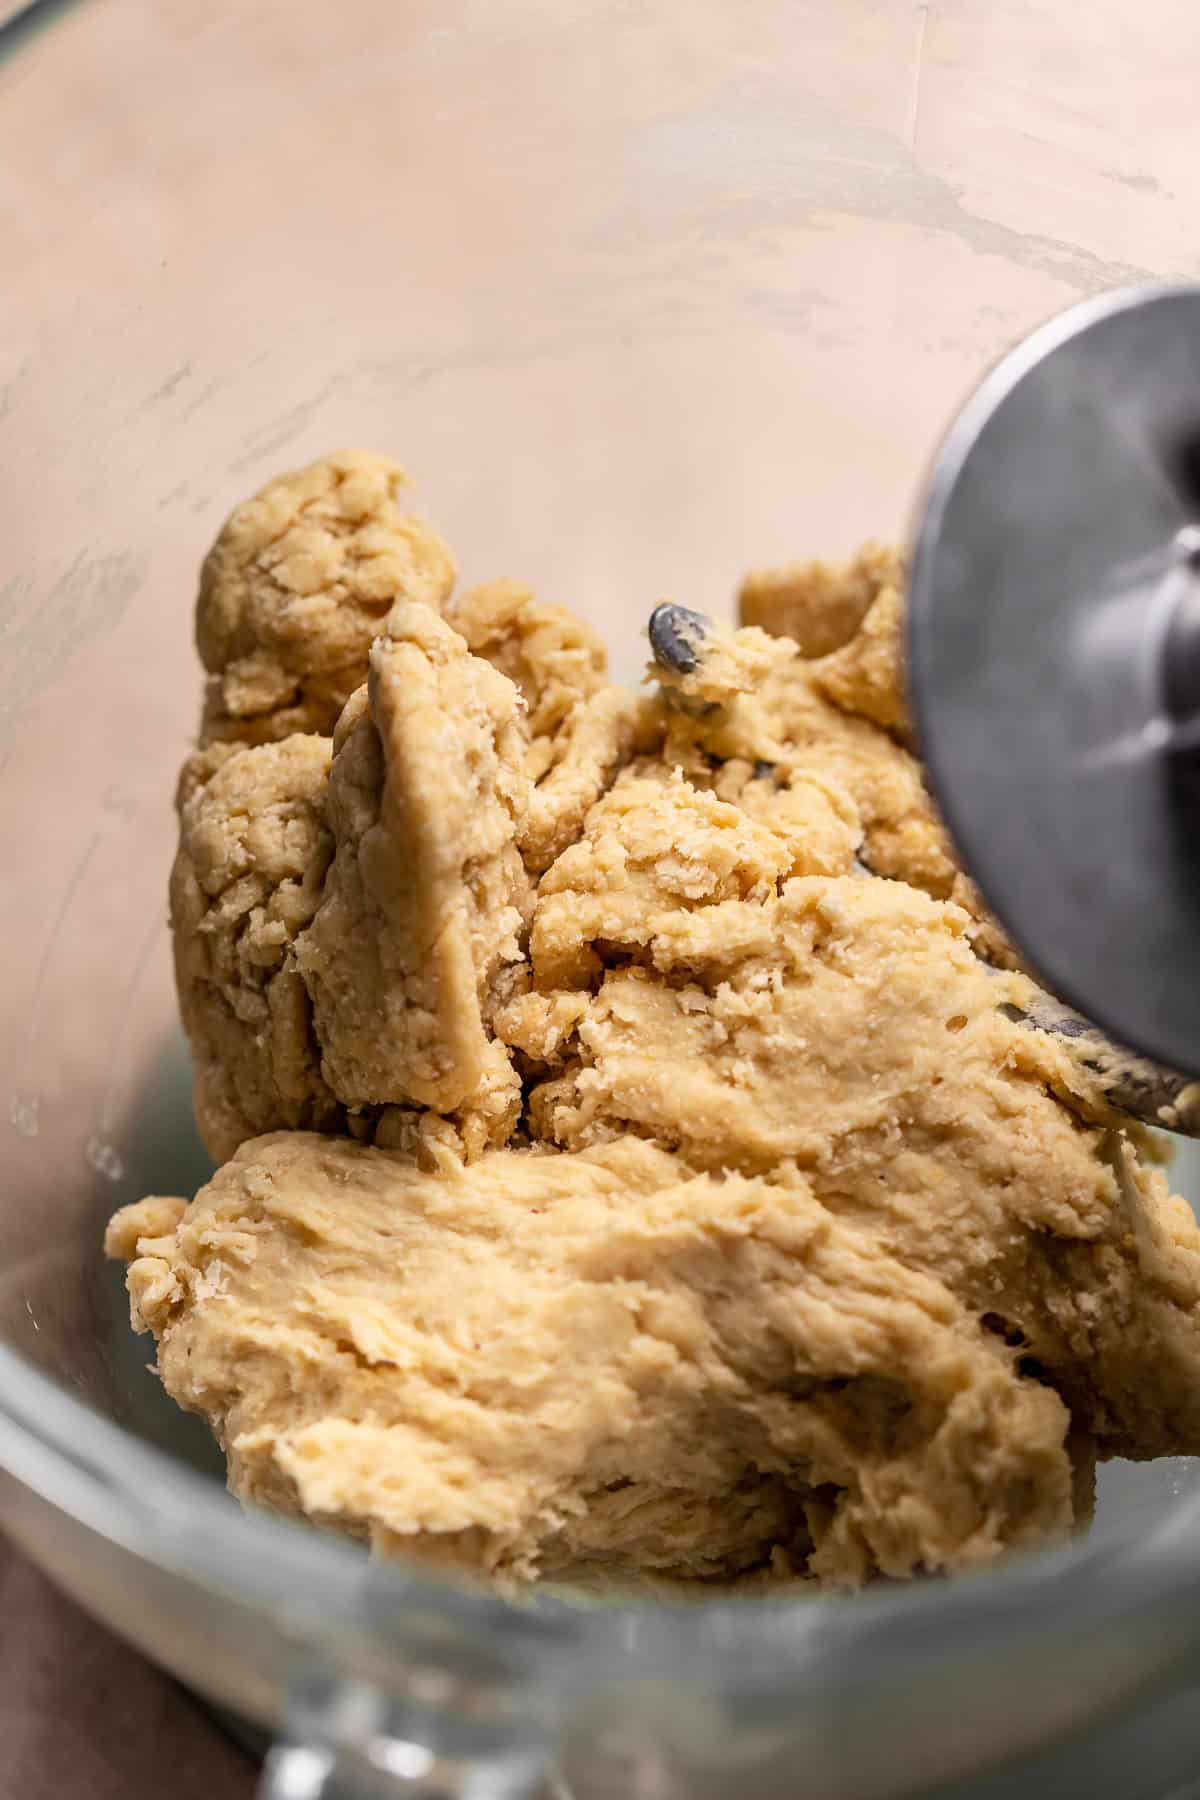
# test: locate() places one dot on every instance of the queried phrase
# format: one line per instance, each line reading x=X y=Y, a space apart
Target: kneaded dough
x=714 y=1215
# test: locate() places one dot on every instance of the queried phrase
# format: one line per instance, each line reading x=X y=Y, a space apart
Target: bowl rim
x=137 y=1497
x=24 y=21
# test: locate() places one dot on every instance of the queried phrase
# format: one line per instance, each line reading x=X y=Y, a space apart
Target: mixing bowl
x=642 y=294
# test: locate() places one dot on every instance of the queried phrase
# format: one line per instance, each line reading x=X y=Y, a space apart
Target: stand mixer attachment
x=1054 y=657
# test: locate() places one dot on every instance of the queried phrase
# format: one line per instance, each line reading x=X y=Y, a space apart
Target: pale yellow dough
x=711 y=1220
x=297 y=586
x=425 y=904
x=589 y=1365
x=254 y=849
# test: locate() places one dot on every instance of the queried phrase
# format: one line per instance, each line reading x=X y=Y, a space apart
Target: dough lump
x=599 y=1365
x=556 y=660
x=249 y=875
x=297 y=586
x=423 y=915
x=581 y=730
x=819 y=605
x=719 y=1211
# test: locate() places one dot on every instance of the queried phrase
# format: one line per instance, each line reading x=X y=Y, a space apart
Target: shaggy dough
x=254 y=848
x=297 y=586
x=556 y=661
x=752 y=706
x=845 y=1028
x=581 y=730
x=848 y=621
x=866 y=675
x=421 y=926
x=713 y=1216
x=594 y=1365
x=820 y=605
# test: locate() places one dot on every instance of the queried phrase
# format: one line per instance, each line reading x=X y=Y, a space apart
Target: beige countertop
x=83 y=1714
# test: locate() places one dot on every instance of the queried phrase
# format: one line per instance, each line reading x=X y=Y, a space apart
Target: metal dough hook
x=1054 y=654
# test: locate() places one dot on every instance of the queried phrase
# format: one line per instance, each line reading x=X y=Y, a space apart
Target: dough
x=717 y=1212
x=254 y=848
x=421 y=927
x=846 y=1028
x=597 y=1365
x=820 y=605
x=581 y=730
x=295 y=589
x=556 y=661
x=866 y=675
x=752 y=701
x=851 y=619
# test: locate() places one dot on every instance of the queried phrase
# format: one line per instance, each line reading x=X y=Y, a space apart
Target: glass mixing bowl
x=643 y=294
